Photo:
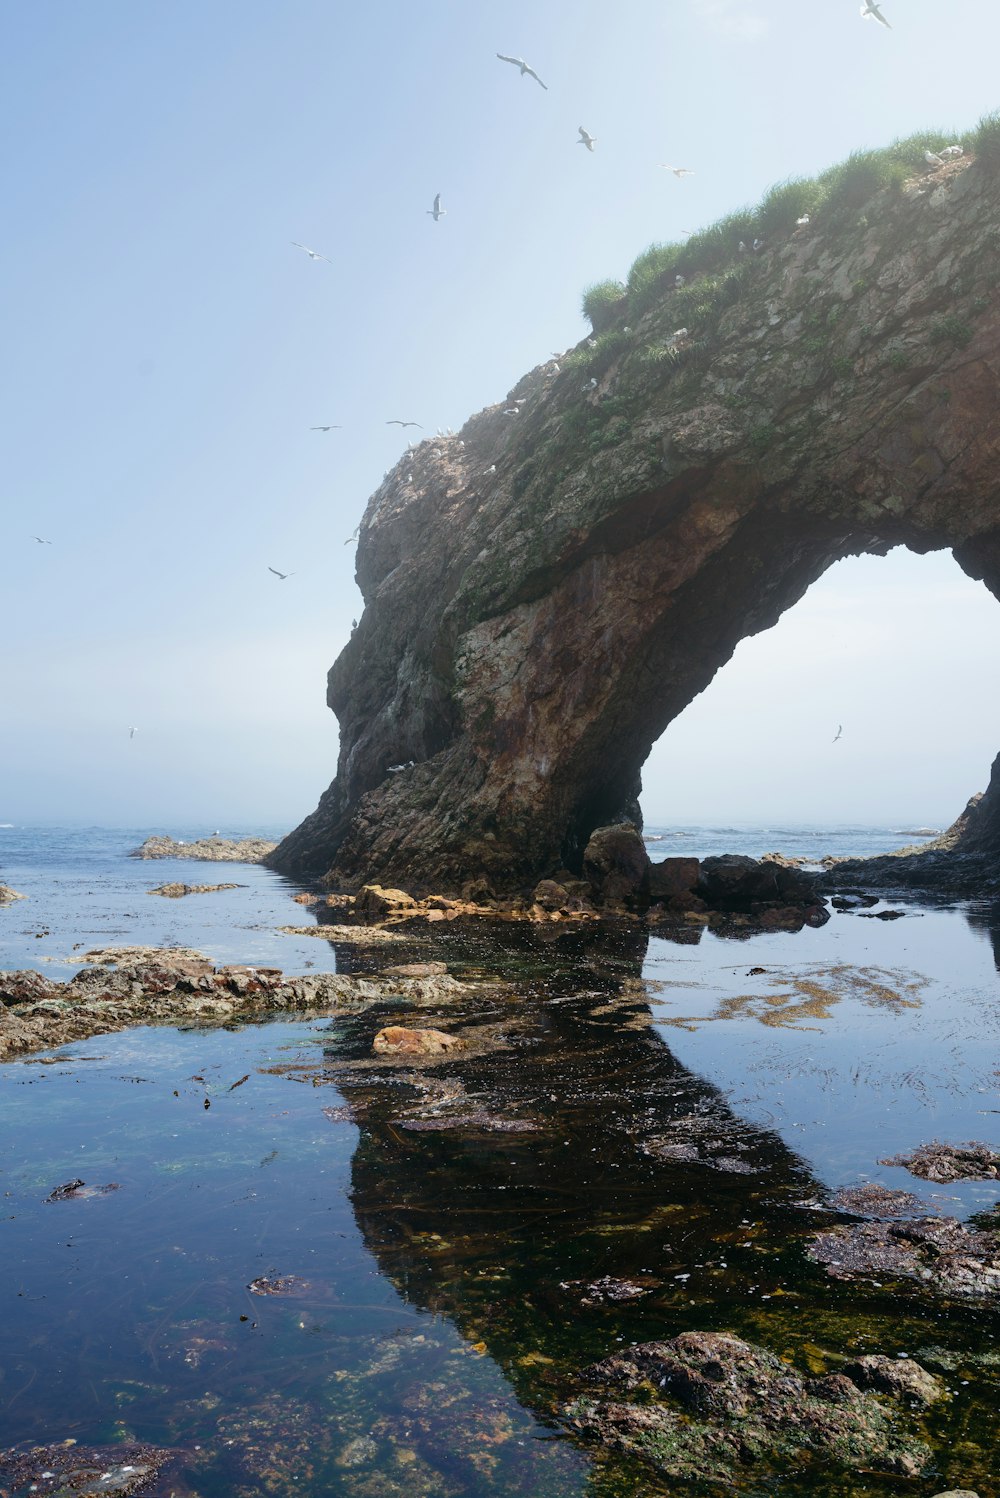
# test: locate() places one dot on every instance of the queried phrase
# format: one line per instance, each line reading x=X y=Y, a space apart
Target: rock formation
x=545 y=592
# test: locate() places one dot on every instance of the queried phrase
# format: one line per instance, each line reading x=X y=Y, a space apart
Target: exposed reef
x=207 y=849
x=121 y=987
x=545 y=592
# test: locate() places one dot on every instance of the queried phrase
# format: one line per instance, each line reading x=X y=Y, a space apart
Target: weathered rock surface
x=714 y=1407
x=944 y=1255
x=86 y=1471
x=547 y=594
x=8 y=895
x=208 y=849
x=616 y=864
x=142 y=987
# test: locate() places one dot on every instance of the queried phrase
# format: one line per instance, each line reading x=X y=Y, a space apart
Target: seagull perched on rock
x=313 y=254
x=586 y=139
x=334 y=428
x=953 y=151
x=395 y=422
x=437 y=211
x=519 y=62
x=281 y=575
x=678 y=171
x=871 y=11
x=800 y=223
x=932 y=159
x=679 y=281
x=395 y=769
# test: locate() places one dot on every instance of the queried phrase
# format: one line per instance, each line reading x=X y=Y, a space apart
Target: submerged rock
x=715 y=1408
x=950 y=1162
x=68 y=1468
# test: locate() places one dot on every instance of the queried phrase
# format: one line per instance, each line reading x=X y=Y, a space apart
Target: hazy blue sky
x=166 y=350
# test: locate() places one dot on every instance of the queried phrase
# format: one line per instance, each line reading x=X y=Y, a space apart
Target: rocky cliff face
x=545 y=592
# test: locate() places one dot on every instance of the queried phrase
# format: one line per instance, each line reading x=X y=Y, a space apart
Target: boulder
x=673 y=876
x=732 y=881
x=8 y=895
x=373 y=903
x=616 y=864
x=397 y=1040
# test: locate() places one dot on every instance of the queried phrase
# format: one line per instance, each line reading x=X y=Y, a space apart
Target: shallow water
x=443 y=1311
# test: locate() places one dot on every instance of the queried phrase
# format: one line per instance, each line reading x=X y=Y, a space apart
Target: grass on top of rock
x=833 y=200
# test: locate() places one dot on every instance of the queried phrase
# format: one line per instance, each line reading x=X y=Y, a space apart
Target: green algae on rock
x=716 y=1408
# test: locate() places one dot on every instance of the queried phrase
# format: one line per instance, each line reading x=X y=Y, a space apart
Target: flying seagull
x=586 y=139
x=840 y=729
x=871 y=11
x=41 y=540
x=678 y=171
x=313 y=254
x=519 y=62
x=281 y=575
x=132 y=731
x=334 y=428
x=437 y=211
x=395 y=422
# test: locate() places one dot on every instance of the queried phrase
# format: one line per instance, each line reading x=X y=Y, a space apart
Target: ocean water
x=436 y=1312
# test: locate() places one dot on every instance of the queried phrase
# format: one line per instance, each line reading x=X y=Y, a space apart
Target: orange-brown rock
x=373 y=903
x=547 y=594
x=397 y=1040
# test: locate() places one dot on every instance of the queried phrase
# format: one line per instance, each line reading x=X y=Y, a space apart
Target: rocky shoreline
x=208 y=849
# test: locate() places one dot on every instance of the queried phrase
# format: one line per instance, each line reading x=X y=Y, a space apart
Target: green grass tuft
x=648 y=275
x=602 y=303
x=787 y=202
x=986 y=142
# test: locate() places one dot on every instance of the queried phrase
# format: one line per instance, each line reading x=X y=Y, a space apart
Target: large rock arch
x=546 y=591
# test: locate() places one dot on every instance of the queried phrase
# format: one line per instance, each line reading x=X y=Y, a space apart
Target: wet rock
x=873 y=1200
x=273 y=1284
x=134 y=986
x=957 y=1493
x=77 y=1189
x=358 y=1453
x=208 y=849
x=673 y=876
x=177 y=891
x=881 y=915
x=616 y=864
x=68 y=1468
x=476 y=1123
x=416 y=970
x=397 y=1040
x=610 y=1291
x=8 y=895
x=550 y=895
x=901 y=1377
x=950 y=1162
x=358 y=936
x=942 y=1254
x=714 y=1407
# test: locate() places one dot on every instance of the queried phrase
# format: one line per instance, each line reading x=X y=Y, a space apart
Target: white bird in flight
x=840 y=729
x=519 y=62
x=132 y=731
x=871 y=11
x=678 y=171
x=313 y=254
x=281 y=575
x=586 y=139
x=395 y=422
x=41 y=540
x=334 y=428
x=437 y=211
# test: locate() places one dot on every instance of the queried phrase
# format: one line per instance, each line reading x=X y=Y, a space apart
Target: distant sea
x=84 y=891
